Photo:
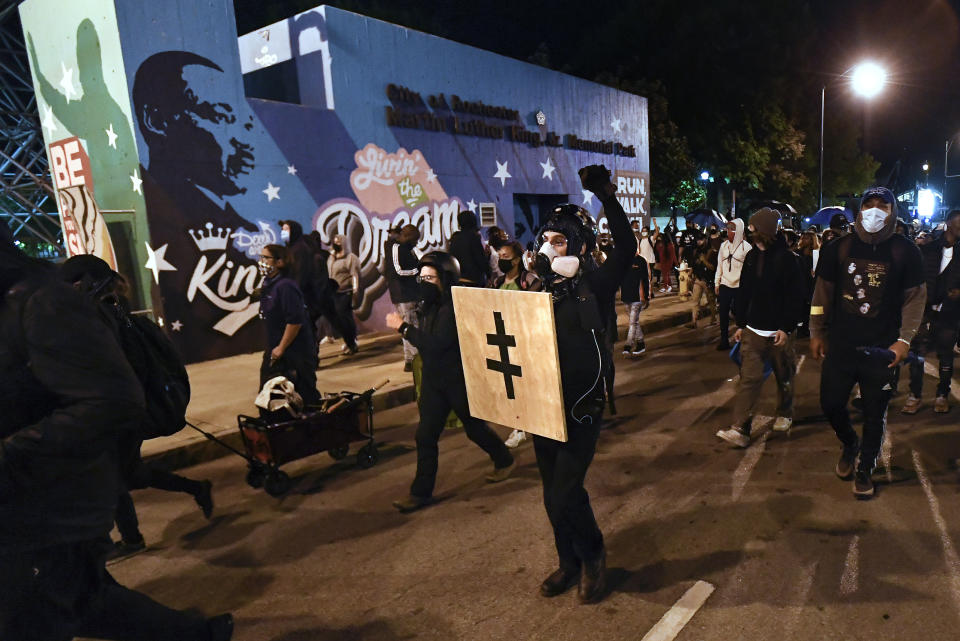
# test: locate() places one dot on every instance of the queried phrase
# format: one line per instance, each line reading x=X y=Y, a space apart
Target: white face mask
x=566 y=266
x=873 y=219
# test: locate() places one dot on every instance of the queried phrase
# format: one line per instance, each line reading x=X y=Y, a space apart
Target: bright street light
x=868 y=79
x=926 y=166
x=704 y=175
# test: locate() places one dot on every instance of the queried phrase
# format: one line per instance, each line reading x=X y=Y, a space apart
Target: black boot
x=564 y=578
x=220 y=627
x=204 y=498
x=593 y=581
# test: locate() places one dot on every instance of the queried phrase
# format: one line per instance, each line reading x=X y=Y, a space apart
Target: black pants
x=841 y=370
x=62 y=592
x=343 y=303
x=563 y=468
x=725 y=301
x=143 y=476
x=300 y=369
x=939 y=336
x=437 y=398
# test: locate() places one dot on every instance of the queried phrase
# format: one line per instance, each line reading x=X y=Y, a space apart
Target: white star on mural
x=472 y=206
x=48 y=123
x=431 y=177
x=176 y=326
x=548 y=169
x=272 y=192
x=502 y=172
x=291 y=170
x=157 y=263
x=616 y=125
x=67 y=82
x=137 y=181
x=111 y=136
x=587 y=196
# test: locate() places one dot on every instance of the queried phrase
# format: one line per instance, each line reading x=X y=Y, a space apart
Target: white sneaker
x=782 y=424
x=325 y=340
x=515 y=439
x=735 y=437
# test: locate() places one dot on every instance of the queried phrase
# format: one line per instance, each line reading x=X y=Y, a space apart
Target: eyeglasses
x=265 y=257
x=428 y=277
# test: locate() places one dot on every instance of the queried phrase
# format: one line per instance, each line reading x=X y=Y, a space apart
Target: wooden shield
x=508 y=344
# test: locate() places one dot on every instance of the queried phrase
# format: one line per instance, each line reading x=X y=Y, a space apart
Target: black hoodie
x=772 y=291
x=67 y=396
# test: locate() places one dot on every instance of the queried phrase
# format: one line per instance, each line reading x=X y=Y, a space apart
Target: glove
x=596 y=178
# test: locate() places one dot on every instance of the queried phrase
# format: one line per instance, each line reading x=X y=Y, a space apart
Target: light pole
x=867 y=81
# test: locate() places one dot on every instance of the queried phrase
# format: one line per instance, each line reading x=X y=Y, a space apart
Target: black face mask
x=505 y=265
x=429 y=293
x=336 y=248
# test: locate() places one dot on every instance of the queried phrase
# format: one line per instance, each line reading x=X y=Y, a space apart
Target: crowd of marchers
x=85 y=381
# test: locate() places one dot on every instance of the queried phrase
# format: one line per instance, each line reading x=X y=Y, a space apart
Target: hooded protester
x=583 y=296
x=704 y=268
x=344 y=268
x=68 y=397
x=769 y=306
x=941 y=318
x=869 y=292
x=467 y=248
x=730 y=259
x=400 y=270
x=107 y=290
x=443 y=387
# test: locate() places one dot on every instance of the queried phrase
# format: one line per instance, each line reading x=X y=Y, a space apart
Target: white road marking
x=752 y=456
x=949 y=550
x=670 y=625
x=804 y=585
x=850 y=579
x=886 y=453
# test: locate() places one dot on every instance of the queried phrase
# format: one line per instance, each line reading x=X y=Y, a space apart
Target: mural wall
x=348 y=125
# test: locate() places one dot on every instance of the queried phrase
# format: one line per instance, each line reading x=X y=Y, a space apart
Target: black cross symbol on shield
x=504 y=341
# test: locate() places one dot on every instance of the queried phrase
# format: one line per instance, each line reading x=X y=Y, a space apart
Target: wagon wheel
x=368 y=456
x=255 y=477
x=338 y=453
x=278 y=483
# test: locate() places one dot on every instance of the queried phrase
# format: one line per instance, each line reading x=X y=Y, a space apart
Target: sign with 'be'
x=508 y=345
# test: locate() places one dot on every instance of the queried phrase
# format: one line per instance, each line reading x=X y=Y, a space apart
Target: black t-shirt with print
x=869 y=281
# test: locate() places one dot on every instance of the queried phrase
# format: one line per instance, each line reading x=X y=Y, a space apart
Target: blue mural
x=375 y=125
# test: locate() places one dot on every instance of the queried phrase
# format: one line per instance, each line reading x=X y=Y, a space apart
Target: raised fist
x=596 y=178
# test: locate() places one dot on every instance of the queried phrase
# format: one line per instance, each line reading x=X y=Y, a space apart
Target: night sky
x=713 y=56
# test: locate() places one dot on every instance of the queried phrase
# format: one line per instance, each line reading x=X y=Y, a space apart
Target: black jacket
x=772 y=289
x=308 y=272
x=437 y=341
x=467 y=248
x=67 y=397
x=400 y=268
x=939 y=284
x=581 y=318
x=636 y=280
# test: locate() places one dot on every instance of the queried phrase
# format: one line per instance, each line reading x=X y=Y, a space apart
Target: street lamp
x=867 y=81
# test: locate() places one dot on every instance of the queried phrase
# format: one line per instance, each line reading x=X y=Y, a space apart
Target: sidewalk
x=224 y=388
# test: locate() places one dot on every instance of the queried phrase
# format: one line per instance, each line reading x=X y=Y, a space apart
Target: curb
x=200 y=449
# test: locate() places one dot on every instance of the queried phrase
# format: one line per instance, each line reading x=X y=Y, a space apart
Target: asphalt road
x=762 y=543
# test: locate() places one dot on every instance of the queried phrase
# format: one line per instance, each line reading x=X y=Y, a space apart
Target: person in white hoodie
x=727 y=281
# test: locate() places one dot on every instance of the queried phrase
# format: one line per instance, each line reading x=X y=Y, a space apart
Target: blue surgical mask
x=873 y=219
x=285 y=235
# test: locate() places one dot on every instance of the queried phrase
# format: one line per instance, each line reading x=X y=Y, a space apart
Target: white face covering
x=566 y=266
x=873 y=219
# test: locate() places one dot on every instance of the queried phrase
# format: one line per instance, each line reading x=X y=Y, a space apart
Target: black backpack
x=157 y=364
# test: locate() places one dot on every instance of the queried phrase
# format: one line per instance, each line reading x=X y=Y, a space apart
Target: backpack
x=157 y=364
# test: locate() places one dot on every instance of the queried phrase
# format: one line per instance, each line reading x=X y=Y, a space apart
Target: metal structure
x=27 y=199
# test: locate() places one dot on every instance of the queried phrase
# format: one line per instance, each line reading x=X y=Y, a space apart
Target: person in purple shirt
x=291 y=350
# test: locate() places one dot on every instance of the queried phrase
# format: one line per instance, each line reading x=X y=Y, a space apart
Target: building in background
x=201 y=141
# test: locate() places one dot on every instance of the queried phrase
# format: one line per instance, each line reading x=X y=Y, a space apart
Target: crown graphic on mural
x=210 y=240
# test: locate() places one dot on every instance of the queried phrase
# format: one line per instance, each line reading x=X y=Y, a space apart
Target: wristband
x=904 y=341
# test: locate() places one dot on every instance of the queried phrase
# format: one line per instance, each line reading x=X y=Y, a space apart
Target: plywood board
x=508 y=344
